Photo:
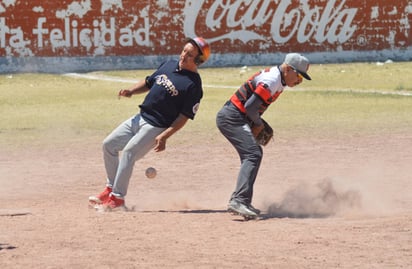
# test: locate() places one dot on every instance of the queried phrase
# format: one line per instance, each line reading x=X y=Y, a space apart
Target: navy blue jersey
x=172 y=91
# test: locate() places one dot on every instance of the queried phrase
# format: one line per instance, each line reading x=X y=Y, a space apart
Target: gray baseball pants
x=235 y=127
x=135 y=138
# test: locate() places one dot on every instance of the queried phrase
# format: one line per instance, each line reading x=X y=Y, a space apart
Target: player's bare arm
x=139 y=87
x=176 y=125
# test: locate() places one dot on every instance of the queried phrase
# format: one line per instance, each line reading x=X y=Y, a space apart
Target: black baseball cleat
x=239 y=208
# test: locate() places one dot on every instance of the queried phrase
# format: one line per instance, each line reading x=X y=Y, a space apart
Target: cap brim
x=305 y=75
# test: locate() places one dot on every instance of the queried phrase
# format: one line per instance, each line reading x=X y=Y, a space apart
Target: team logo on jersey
x=165 y=82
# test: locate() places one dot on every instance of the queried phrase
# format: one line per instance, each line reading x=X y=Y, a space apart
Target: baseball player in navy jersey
x=240 y=122
x=174 y=93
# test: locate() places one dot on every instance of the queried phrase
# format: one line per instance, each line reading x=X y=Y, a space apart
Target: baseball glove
x=265 y=135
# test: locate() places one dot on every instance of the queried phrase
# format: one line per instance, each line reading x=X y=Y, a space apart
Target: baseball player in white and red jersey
x=240 y=122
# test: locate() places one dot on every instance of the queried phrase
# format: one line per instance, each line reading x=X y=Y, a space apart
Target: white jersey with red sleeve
x=268 y=84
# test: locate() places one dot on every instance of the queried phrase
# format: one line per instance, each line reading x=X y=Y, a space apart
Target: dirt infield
x=328 y=203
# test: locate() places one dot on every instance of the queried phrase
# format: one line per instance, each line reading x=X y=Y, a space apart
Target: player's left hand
x=265 y=135
x=160 y=144
x=256 y=129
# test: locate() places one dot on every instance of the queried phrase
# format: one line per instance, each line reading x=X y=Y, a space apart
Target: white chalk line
x=133 y=81
x=127 y=80
x=101 y=77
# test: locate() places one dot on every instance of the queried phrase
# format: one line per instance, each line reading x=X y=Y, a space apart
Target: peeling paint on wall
x=256 y=31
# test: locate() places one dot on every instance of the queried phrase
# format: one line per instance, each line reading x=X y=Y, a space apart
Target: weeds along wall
x=86 y=35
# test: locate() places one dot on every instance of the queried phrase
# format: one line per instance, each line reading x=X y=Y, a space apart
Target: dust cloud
x=320 y=200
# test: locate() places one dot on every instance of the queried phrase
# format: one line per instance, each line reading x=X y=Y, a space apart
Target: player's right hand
x=125 y=93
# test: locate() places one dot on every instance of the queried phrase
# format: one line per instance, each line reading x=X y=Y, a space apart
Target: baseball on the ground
x=151 y=172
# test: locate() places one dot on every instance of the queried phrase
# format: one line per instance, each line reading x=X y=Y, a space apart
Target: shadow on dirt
x=263 y=216
x=6 y=247
x=197 y=211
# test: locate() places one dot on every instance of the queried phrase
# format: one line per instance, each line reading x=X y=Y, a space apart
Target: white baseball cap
x=299 y=63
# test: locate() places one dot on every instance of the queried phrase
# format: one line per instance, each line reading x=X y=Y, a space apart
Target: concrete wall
x=85 y=35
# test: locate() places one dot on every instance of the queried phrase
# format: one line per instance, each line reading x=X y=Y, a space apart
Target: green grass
x=35 y=108
x=362 y=76
x=354 y=76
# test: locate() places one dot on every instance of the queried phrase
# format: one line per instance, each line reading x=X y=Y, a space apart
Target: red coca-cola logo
x=246 y=20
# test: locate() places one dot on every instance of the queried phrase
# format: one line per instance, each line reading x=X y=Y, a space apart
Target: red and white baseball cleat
x=113 y=203
x=101 y=198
